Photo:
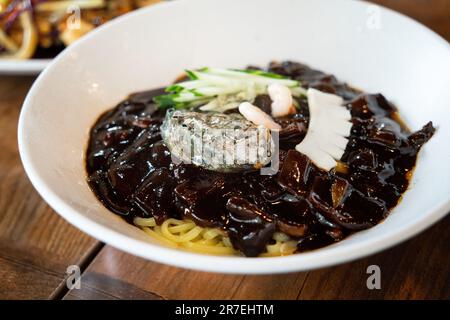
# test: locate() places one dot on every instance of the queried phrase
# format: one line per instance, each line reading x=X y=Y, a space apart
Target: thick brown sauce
x=130 y=171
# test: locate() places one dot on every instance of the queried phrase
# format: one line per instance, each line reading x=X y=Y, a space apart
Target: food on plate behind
x=42 y=28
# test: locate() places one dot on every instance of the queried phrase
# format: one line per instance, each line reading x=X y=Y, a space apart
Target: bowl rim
x=224 y=264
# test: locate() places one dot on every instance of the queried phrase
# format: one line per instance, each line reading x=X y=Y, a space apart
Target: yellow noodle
x=288 y=247
x=227 y=242
x=145 y=222
x=181 y=228
x=209 y=249
x=187 y=235
x=210 y=242
x=279 y=236
x=183 y=237
x=274 y=248
x=7 y=42
x=29 y=39
x=65 y=5
x=212 y=233
x=155 y=234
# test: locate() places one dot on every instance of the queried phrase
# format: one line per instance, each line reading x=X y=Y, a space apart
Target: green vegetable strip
x=261 y=77
x=231 y=85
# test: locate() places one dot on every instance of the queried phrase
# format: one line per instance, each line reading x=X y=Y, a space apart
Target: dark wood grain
x=36 y=245
x=433 y=13
x=100 y=287
x=417 y=269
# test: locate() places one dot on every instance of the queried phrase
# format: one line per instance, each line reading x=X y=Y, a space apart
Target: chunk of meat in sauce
x=249 y=227
x=297 y=173
x=136 y=162
x=201 y=200
x=339 y=202
x=155 y=195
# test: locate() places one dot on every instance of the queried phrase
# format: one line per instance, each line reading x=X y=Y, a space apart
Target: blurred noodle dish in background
x=42 y=28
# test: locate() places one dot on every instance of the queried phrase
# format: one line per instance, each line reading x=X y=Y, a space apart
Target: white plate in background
x=23 y=67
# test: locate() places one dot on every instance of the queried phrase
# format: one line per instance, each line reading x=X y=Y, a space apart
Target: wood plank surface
x=435 y=14
x=36 y=245
x=417 y=269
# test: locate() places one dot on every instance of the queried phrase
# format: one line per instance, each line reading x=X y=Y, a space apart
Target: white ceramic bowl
x=370 y=47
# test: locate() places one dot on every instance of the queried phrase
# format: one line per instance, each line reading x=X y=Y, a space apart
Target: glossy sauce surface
x=131 y=172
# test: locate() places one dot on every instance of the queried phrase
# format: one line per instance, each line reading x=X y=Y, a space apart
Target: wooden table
x=36 y=245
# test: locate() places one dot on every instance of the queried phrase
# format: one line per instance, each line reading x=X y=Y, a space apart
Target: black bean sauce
x=130 y=171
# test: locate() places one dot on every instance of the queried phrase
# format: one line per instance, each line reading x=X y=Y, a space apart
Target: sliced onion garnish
x=329 y=128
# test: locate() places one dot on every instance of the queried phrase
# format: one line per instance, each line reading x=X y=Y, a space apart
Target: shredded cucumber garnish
x=219 y=90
